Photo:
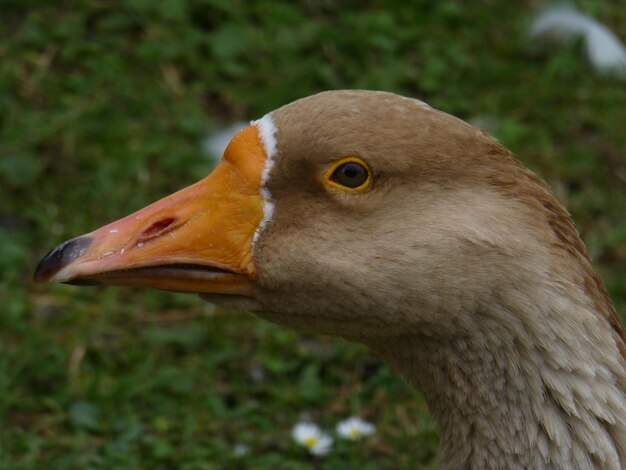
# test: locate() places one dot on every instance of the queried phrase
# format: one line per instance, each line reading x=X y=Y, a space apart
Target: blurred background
x=106 y=105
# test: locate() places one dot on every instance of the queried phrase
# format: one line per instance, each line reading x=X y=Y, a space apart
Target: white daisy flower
x=311 y=436
x=355 y=428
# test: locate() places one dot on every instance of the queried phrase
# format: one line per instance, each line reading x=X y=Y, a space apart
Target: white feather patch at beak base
x=267 y=132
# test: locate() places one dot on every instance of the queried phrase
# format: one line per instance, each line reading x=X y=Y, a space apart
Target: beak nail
x=60 y=257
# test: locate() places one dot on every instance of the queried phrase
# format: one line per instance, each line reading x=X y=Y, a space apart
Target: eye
x=349 y=174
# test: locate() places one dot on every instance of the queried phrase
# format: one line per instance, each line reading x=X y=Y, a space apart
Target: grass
x=103 y=108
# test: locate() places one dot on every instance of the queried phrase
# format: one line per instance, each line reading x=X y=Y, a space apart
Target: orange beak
x=196 y=240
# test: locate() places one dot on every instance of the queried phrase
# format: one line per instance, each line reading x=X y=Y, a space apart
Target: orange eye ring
x=349 y=174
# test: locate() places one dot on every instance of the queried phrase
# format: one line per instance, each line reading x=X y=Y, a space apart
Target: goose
x=374 y=217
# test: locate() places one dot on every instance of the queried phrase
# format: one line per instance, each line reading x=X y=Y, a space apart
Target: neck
x=510 y=392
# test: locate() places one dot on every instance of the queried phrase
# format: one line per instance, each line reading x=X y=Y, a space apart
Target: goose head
x=377 y=218
x=338 y=213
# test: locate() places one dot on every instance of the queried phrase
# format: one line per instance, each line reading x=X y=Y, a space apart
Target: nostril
x=158 y=228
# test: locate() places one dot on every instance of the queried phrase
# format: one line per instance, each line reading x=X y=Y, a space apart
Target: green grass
x=103 y=108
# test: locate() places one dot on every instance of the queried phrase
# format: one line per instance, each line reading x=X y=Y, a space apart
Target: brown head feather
x=526 y=187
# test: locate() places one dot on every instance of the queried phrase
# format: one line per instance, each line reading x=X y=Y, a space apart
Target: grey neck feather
x=509 y=394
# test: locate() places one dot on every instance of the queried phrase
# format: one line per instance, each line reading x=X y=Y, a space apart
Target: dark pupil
x=351 y=175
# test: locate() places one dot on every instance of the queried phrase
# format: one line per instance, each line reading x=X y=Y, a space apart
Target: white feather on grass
x=605 y=51
x=215 y=143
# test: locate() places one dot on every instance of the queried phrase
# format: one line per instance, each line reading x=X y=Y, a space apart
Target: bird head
x=349 y=212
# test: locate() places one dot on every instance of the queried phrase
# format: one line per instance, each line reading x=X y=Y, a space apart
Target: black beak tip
x=60 y=257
